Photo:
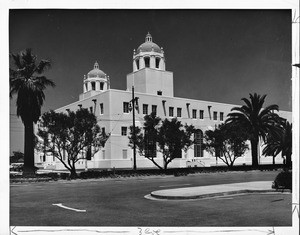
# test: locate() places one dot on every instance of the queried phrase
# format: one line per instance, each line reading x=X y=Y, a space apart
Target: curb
x=30 y=180
x=220 y=194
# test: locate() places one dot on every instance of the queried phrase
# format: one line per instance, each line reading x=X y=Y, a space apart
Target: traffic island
x=200 y=192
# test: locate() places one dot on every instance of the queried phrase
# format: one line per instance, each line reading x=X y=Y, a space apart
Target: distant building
x=154 y=88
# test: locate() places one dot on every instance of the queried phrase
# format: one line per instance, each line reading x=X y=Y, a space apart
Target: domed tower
x=149 y=70
x=148 y=55
x=94 y=82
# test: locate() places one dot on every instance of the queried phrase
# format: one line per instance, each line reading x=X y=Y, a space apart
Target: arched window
x=147 y=62
x=198 y=146
x=101 y=86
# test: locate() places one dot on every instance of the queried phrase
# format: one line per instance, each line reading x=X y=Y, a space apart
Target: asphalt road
x=121 y=202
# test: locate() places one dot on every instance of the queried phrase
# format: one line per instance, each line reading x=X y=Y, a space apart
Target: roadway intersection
x=122 y=202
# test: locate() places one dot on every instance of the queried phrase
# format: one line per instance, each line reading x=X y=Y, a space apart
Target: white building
x=154 y=88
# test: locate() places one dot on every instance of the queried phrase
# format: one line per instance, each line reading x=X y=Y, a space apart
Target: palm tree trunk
x=254 y=152
x=288 y=161
x=29 y=169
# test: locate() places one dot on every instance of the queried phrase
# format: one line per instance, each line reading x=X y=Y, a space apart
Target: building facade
x=153 y=86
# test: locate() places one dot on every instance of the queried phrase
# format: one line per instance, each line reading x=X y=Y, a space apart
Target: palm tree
x=280 y=143
x=258 y=121
x=28 y=82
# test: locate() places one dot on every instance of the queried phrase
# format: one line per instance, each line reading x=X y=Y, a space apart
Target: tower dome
x=148 y=55
x=149 y=45
x=96 y=80
x=96 y=72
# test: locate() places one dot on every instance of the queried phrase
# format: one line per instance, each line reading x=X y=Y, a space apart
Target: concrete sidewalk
x=214 y=190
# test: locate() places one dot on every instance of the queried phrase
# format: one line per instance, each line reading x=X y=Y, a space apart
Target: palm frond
x=29 y=87
x=43 y=66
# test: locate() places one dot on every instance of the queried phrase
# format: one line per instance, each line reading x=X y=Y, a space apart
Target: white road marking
x=174 y=185
x=68 y=208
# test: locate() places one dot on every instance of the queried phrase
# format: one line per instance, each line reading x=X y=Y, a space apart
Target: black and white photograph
x=152 y=120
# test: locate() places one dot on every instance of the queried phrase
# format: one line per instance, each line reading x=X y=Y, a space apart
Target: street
x=122 y=202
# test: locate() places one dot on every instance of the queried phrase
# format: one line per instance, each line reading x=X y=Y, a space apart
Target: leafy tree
x=227 y=142
x=68 y=136
x=256 y=120
x=146 y=141
x=28 y=82
x=281 y=142
x=17 y=157
x=170 y=136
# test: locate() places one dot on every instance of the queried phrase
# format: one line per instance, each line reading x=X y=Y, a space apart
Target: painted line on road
x=68 y=208
x=174 y=185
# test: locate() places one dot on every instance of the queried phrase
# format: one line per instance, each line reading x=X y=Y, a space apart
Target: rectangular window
x=215 y=115
x=103 y=131
x=145 y=109
x=124 y=130
x=201 y=114
x=178 y=112
x=171 y=111
x=194 y=113
x=159 y=92
x=101 y=108
x=93 y=86
x=150 y=145
x=125 y=107
x=221 y=116
x=101 y=86
x=147 y=62
x=91 y=109
x=124 y=153
x=103 y=154
x=198 y=143
x=154 y=109
x=157 y=60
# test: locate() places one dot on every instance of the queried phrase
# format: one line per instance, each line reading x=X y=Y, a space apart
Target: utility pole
x=133 y=120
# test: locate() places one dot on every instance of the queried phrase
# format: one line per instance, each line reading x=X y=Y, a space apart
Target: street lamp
x=133 y=101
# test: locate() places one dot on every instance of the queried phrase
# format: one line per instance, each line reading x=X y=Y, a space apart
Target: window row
x=150 y=146
x=93 y=86
x=127 y=108
x=172 y=114
x=147 y=62
x=101 y=109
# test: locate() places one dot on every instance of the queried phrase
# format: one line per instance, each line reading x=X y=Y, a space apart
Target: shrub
x=64 y=176
x=90 y=174
x=283 y=180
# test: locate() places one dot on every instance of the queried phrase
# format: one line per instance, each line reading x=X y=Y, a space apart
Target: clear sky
x=215 y=55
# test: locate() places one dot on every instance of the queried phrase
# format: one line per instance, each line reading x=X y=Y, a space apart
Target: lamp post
x=133 y=124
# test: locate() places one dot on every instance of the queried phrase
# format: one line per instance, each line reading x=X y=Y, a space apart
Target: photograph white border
x=5 y=5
